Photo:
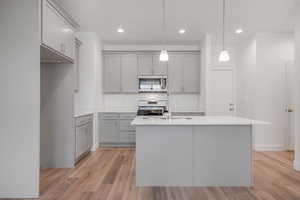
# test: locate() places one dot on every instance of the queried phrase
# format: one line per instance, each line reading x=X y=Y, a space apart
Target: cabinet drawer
x=127 y=137
x=127 y=116
x=82 y=120
x=109 y=116
x=125 y=125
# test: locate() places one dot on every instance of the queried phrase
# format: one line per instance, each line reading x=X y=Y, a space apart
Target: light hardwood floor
x=109 y=174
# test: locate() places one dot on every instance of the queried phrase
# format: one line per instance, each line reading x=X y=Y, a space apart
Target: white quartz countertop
x=83 y=114
x=194 y=120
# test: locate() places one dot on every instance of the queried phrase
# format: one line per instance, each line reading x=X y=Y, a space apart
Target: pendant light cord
x=223 y=27
x=164 y=20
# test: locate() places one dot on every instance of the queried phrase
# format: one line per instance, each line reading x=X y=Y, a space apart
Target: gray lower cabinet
x=109 y=131
x=115 y=129
x=84 y=135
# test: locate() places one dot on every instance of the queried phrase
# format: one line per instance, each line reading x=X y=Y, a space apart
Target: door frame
x=289 y=144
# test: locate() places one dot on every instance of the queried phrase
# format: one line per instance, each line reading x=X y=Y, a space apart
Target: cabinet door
x=175 y=73
x=191 y=73
x=159 y=68
x=129 y=70
x=127 y=137
x=57 y=33
x=77 y=65
x=89 y=136
x=109 y=131
x=112 y=73
x=145 y=62
x=52 y=27
x=81 y=140
x=68 y=44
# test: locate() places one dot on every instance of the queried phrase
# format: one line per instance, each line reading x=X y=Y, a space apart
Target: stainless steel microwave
x=152 y=84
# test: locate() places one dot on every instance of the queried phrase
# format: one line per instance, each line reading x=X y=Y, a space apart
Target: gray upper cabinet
x=175 y=73
x=184 y=73
x=145 y=63
x=159 y=68
x=112 y=73
x=129 y=70
x=191 y=73
x=78 y=43
x=57 y=32
x=149 y=65
x=121 y=71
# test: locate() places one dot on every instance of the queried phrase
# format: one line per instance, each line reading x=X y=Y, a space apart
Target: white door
x=221 y=92
x=290 y=140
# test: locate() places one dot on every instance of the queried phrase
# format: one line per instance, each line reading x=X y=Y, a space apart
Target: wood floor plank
x=109 y=174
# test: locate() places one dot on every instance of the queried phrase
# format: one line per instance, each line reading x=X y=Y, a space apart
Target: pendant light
x=224 y=55
x=164 y=57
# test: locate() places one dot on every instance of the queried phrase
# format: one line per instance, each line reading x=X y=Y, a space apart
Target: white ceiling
x=141 y=19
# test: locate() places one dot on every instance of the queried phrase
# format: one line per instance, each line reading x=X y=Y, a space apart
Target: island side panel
x=222 y=155
x=164 y=156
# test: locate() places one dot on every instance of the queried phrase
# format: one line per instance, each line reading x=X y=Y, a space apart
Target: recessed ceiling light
x=238 y=31
x=121 y=30
x=181 y=31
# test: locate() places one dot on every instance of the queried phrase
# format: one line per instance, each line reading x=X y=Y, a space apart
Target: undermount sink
x=172 y=118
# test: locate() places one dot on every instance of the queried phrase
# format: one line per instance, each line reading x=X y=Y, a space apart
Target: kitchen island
x=194 y=151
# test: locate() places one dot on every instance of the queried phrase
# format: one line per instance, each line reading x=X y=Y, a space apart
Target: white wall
x=89 y=98
x=89 y=66
x=20 y=98
x=261 y=85
x=245 y=73
x=57 y=127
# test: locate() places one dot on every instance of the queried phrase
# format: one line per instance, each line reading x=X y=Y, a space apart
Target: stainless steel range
x=152 y=107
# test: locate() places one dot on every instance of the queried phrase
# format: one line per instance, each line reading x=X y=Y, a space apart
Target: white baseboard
x=270 y=148
x=95 y=146
x=297 y=165
x=18 y=196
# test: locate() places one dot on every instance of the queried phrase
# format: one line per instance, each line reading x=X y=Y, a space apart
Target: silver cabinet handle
x=62 y=47
x=231 y=107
